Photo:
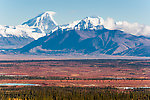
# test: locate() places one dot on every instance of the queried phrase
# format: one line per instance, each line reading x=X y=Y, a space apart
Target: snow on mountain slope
x=20 y=31
x=92 y=23
x=44 y=22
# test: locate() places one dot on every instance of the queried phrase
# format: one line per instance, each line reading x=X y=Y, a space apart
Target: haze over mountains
x=90 y=35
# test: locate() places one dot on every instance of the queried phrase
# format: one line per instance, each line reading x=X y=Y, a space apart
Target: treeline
x=71 y=93
x=136 y=64
x=3 y=77
x=117 y=79
x=36 y=77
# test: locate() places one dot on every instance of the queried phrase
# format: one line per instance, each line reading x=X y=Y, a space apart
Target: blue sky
x=15 y=12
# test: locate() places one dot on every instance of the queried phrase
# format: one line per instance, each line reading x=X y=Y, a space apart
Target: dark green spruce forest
x=72 y=93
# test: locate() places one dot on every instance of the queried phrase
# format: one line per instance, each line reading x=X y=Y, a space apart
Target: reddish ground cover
x=82 y=69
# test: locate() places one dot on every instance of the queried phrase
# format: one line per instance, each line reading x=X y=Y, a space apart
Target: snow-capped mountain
x=88 y=36
x=99 y=23
x=92 y=23
x=31 y=30
x=44 y=22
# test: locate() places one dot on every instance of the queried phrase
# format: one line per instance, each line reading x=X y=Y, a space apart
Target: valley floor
x=79 y=73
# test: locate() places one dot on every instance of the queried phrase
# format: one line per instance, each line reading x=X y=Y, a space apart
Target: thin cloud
x=132 y=28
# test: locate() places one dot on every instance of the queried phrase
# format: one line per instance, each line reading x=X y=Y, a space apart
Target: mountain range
x=88 y=36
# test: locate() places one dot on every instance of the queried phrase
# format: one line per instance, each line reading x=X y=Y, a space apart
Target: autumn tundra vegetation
x=82 y=79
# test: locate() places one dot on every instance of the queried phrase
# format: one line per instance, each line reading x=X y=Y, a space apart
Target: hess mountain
x=18 y=36
x=88 y=36
x=44 y=22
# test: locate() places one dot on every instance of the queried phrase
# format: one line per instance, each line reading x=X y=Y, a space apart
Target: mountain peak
x=92 y=22
x=44 y=22
x=95 y=20
x=49 y=14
